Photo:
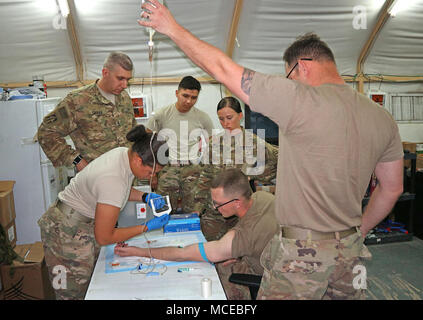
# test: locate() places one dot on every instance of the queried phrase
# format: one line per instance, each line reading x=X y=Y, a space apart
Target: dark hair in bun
x=141 y=144
x=230 y=102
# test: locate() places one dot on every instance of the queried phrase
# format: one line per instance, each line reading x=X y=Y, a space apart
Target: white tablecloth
x=171 y=285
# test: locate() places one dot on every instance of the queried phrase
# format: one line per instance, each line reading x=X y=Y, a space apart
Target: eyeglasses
x=221 y=205
x=289 y=73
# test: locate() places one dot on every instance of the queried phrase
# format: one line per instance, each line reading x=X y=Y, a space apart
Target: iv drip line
x=151 y=86
x=150 y=44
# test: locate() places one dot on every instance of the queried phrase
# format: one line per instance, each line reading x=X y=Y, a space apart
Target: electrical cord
x=154 y=159
x=151 y=264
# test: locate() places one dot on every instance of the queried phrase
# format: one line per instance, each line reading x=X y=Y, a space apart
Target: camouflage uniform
x=69 y=241
x=178 y=182
x=7 y=254
x=178 y=177
x=234 y=291
x=94 y=124
x=213 y=224
x=302 y=269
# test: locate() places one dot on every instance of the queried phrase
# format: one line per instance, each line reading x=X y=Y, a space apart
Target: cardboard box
x=10 y=231
x=270 y=188
x=28 y=280
x=7 y=203
x=419 y=161
x=410 y=146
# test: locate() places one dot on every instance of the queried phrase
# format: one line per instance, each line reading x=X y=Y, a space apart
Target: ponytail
x=229 y=102
x=143 y=143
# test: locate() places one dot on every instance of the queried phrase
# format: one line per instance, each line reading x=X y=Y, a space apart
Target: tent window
x=406 y=107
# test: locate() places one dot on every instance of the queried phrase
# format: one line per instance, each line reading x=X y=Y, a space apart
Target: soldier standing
x=185 y=128
x=332 y=139
x=97 y=117
x=233 y=148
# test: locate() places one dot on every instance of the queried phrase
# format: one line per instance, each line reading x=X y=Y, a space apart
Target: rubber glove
x=157 y=222
x=159 y=201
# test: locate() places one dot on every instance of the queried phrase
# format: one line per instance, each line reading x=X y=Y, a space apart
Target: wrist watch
x=144 y=196
x=77 y=160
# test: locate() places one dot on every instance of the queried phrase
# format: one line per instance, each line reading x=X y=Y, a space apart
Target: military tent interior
x=378 y=46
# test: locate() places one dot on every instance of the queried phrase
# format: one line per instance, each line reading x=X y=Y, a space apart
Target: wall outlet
x=141 y=210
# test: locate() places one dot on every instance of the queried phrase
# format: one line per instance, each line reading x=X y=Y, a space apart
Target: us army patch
x=49 y=119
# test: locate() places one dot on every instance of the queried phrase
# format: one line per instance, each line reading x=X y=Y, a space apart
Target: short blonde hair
x=233 y=182
x=120 y=58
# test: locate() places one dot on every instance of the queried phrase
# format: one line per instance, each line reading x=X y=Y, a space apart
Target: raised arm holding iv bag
x=151 y=32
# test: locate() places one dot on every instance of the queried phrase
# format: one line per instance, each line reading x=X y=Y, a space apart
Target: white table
x=171 y=285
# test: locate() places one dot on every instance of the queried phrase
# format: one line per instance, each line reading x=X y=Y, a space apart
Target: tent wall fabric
x=70 y=52
x=30 y=45
x=35 y=42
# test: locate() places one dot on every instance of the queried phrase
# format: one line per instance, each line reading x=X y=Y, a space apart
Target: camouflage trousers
x=180 y=184
x=302 y=269
x=214 y=226
x=69 y=248
x=234 y=291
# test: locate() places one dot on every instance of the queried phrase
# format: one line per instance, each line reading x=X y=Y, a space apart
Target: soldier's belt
x=72 y=212
x=306 y=234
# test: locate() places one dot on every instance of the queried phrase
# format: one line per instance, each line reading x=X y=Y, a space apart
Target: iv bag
x=151 y=31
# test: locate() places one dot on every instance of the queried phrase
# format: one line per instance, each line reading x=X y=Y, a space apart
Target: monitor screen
x=255 y=120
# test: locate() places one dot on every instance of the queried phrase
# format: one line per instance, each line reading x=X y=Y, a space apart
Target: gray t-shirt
x=107 y=179
x=182 y=131
x=330 y=139
x=254 y=230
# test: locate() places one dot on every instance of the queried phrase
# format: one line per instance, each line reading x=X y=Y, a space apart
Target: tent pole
x=233 y=32
x=73 y=37
x=383 y=17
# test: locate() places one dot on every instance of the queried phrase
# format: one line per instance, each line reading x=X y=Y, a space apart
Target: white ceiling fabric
x=31 y=45
x=399 y=47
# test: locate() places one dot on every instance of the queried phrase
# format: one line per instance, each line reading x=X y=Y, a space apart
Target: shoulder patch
x=49 y=119
x=97 y=113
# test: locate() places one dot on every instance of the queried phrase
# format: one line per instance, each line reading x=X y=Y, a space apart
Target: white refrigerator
x=23 y=160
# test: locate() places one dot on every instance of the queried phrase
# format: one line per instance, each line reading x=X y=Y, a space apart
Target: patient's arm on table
x=215 y=251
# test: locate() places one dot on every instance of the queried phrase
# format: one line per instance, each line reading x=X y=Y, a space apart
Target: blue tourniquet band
x=202 y=252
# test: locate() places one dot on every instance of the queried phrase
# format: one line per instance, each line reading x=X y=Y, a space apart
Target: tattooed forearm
x=247 y=76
